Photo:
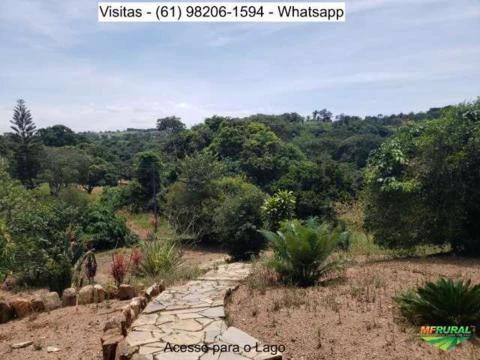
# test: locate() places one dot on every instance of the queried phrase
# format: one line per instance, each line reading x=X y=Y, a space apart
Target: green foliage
x=301 y=250
x=444 y=302
x=6 y=250
x=26 y=147
x=147 y=180
x=315 y=186
x=422 y=185
x=189 y=202
x=160 y=257
x=63 y=166
x=58 y=135
x=170 y=125
x=279 y=207
x=106 y=229
x=99 y=173
x=237 y=217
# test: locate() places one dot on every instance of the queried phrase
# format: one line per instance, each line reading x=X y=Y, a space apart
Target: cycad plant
x=445 y=302
x=301 y=250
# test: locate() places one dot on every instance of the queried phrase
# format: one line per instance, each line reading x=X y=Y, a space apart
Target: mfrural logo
x=446 y=337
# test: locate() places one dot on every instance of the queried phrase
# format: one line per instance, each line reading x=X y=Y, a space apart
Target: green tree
x=191 y=199
x=170 y=125
x=63 y=166
x=57 y=135
x=26 y=162
x=237 y=217
x=99 y=173
x=422 y=185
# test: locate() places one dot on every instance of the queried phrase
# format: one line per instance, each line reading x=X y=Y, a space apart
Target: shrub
x=422 y=184
x=445 y=302
x=279 y=207
x=119 y=268
x=301 y=250
x=106 y=229
x=237 y=217
x=190 y=201
x=159 y=257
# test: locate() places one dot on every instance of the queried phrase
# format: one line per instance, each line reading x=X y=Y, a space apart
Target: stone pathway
x=188 y=322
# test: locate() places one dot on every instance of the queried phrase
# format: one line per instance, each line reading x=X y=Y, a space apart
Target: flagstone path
x=188 y=322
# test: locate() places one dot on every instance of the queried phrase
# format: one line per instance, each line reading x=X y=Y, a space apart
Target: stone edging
x=191 y=315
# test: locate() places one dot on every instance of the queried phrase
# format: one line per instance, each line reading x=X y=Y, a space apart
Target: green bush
x=113 y=198
x=237 y=217
x=159 y=257
x=190 y=202
x=301 y=250
x=106 y=229
x=445 y=302
x=279 y=207
x=422 y=185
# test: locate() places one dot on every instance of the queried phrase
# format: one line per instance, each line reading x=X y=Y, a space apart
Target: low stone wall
x=115 y=329
x=19 y=307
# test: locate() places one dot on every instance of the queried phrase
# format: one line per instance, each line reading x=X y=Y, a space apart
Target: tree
x=237 y=217
x=26 y=162
x=422 y=185
x=147 y=174
x=170 y=125
x=323 y=115
x=99 y=173
x=57 y=135
x=189 y=201
x=63 y=166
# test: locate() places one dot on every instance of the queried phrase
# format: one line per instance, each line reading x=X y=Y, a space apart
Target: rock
x=109 y=345
x=111 y=291
x=135 y=305
x=21 y=307
x=69 y=297
x=6 y=312
x=10 y=283
x=37 y=304
x=125 y=292
x=51 y=349
x=118 y=324
x=125 y=351
x=85 y=295
x=152 y=291
x=52 y=301
x=21 y=344
x=161 y=286
x=37 y=345
x=127 y=314
x=98 y=294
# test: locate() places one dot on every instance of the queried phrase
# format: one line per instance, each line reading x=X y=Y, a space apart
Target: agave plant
x=301 y=250
x=445 y=302
x=159 y=257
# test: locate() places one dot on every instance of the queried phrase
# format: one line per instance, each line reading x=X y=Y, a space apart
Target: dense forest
x=221 y=181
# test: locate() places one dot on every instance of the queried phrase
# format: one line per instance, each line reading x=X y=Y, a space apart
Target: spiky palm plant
x=301 y=250
x=445 y=302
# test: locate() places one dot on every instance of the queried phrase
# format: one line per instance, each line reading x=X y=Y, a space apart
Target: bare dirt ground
x=75 y=331
x=353 y=318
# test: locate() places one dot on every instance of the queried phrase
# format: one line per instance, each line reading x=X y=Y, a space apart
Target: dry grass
x=355 y=318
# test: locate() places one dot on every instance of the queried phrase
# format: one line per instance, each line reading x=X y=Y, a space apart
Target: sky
x=389 y=56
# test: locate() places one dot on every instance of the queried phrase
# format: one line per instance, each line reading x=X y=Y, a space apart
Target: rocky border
x=115 y=329
x=18 y=307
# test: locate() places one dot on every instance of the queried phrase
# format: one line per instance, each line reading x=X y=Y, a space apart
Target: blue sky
x=389 y=56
